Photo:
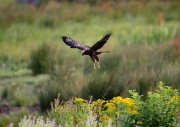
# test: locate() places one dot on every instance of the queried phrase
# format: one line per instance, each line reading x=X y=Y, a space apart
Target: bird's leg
x=94 y=60
x=94 y=65
x=99 y=65
x=97 y=59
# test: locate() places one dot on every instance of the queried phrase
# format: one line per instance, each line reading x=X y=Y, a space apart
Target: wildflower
x=61 y=107
x=79 y=99
x=176 y=98
x=105 y=117
x=173 y=98
x=117 y=99
x=129 y=101
x=110 y=107
x=98 y=102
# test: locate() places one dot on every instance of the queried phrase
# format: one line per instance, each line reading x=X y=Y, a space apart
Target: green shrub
x=79 y=112
x=159 y=108
x=44 y=59
x=101 y=86
x=12 y=117
x=21 y=97
x=8 y=16
x=5 y=93
x=46 y=95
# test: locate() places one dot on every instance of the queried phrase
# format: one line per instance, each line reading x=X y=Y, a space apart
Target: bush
x=101 y=86
x=44 y=59
x=159 y=109
x=14 y=117
x=47 y=95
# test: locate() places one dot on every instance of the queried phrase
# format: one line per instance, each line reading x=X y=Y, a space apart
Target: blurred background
x=36 y=66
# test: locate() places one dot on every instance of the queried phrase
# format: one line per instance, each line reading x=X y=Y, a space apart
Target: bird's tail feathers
x=105 y=51
x=102 y=52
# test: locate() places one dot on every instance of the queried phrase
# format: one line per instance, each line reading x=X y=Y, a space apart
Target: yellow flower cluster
x=173 y=98
x=176 y=98
x=119 y=100
x=118 y=104
x=110 y=108
x=105 y=110
x=78 y=99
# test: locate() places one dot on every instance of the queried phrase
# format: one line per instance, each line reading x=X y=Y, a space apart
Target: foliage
x=43 y=59
x=12 y=117
x=80 y=112
x=159 y=109
x=142 y=50
x=47 y=94
x=36 y=122
x=100 y=86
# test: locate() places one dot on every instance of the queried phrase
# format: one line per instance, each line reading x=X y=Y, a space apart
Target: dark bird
x=87 y=50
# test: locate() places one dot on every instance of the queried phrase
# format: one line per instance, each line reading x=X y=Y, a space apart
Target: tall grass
x=132 y=67
x=140 y=51
x=13 y=117
x=44 y=59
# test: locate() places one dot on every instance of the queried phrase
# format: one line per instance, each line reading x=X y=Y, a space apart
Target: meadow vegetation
x=161 y=108
x=36 y=66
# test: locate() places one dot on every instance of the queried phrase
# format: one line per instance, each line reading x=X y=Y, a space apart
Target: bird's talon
x=94 y=66
x=99 y=65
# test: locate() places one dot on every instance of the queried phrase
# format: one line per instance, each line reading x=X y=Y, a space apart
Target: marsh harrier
x=87 y=50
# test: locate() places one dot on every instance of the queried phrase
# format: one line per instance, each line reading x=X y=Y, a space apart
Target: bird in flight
x=87 y=50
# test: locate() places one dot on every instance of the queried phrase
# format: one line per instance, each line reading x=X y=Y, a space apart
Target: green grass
x=118 y=111
x=12 y=117
x=142 y=51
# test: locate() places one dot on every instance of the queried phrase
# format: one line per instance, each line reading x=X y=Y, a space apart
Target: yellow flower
x=177 y=98
x=173 y=98
x=117 y=99
x=105 y=117
x=98 y=102
x=79 y=99
x=61 y=107
x=129 y=101
x=110 y=107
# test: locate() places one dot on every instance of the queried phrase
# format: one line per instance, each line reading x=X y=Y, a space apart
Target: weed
x=43 y=59
x=13 y=117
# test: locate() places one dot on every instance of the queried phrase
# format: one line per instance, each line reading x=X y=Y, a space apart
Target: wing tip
x=63 y=37
x=109 y=32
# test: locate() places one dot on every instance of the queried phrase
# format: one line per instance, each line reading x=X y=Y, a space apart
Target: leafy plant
x=36 y=122
x=12 y=117
x=159 y=109
x=46 y=95
x=100 y=86
x=44 y=59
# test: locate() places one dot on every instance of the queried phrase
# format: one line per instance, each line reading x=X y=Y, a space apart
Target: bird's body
x=87 y=50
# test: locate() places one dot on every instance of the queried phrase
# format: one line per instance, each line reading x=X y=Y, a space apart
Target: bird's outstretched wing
x=74 y=44
x=101 y=42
